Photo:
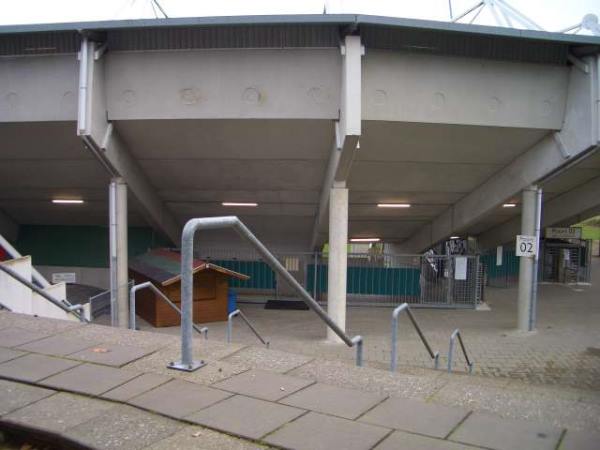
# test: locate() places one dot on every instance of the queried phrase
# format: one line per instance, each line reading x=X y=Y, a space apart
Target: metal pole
x=528 y=215
x=316 y=273
x=112 y=232
x=534 y=286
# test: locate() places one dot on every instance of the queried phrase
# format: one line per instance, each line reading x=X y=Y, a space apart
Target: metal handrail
x=3 y=306
x=394 y=363
x=149 y=285
x=237 y=312
x=187 y=255
x=77 y=310
x=453 y=336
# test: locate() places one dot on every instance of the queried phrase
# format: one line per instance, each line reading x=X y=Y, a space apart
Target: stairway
x=19 y=298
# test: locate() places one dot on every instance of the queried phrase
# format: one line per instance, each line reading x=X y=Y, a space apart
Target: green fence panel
x=392 y=281
x=261 y=275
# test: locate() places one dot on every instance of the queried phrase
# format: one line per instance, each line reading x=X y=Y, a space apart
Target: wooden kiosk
x=162 y=267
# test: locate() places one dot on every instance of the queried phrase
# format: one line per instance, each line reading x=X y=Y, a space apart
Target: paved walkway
x=565 y=350
x=108 y=388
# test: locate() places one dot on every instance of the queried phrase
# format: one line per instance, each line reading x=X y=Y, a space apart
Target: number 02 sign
x=526 y=245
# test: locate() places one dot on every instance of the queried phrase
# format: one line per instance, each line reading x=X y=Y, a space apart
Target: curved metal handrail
x=235 y=313
x=77 y=310
x=453 y=336
x=149 y=285
x=394 y=363
x=187 y=255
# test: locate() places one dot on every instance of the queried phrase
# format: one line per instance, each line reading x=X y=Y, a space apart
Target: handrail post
x=149 y=285
x=456 y=334
x=230 y=317
x=237 y=312
x=394 y=356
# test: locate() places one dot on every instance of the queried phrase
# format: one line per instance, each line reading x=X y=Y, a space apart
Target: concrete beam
x=569 y=207
x=347 y=129
x=416 y=87
x=224 y=84
x=578 y=136
x=100 y=137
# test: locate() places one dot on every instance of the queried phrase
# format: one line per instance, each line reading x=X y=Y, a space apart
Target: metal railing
x=77 y=310
x=235 y=313
x=453 y=336
x=187 y=255
x=394 y=357
x=149 y=285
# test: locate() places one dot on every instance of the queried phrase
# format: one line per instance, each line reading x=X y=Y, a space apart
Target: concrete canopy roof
x=212 y=122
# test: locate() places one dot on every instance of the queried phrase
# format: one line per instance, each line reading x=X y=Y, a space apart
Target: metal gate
x=372 y=279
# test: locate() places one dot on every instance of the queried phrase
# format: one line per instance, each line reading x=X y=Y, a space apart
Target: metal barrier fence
x=373 y=279
x=100 y=304
x=501 y=272
x=558 y=263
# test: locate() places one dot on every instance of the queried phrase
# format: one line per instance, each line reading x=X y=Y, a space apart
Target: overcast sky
x=550 y=14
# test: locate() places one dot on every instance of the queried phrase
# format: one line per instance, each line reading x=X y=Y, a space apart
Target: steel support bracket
x=192 y=367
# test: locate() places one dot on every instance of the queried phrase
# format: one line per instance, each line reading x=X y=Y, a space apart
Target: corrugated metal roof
x=455 y=44
x=300 y=31
x=237 y=36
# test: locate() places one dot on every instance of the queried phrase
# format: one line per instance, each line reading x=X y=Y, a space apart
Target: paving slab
x=503 y=434
x=416 y=416
x=346 y=403
x=32 y=367
x=580 y=440
x=194 y=438
x=123 y=427
x=245 y=416
x=179 y=398
x=59 y=412
x=14 y=336
x=6 y=354
x=17 y=395
x=111 y=354
x=315 y=431
x=90 y=379
x=401 y=440
x=262 y=384
x=136 y=386
x=57 y=345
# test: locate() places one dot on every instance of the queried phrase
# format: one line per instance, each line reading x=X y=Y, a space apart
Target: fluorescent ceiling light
x=509 y=205
x=454 y=237
x=67 y=201
x=393 y=205
x=239 y=204
x=365 y=240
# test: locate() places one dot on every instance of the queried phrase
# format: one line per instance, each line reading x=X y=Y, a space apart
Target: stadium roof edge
x=350 y=20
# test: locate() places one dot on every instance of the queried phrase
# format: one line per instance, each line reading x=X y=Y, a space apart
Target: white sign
x=563 y=233
x=499 y=251
x=460 y=268
x=64 y=277
x=526 y=245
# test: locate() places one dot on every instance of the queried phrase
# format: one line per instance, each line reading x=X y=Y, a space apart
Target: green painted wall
x=79 y=246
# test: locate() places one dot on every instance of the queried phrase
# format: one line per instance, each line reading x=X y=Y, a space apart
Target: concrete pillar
x=338 y=258
x=119 y=270
x=526 y=279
